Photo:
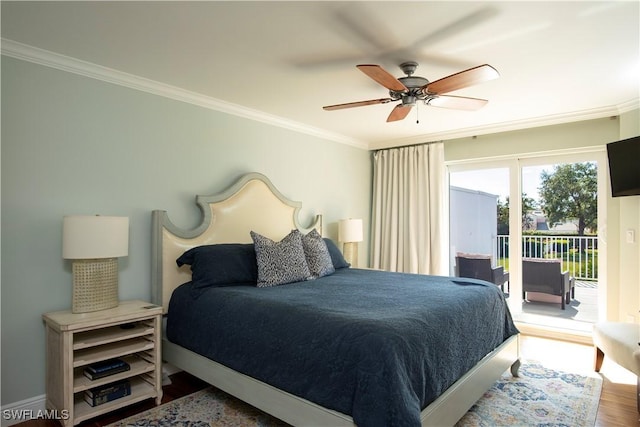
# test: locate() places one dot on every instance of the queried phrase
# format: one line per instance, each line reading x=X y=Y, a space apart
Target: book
x=105 y=368
x=103 y=394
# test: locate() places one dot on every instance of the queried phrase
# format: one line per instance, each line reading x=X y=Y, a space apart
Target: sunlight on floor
x=542 y=320
x=617 y=374
x=572 y=357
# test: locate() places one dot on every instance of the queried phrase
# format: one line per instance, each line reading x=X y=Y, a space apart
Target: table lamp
x=94 y=243
x=350 y=233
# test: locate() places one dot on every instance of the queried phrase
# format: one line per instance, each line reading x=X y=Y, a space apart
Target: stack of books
x=105 y=368
x=108 y=392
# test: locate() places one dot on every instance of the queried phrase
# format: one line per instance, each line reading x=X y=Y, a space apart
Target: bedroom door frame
x=514 y=165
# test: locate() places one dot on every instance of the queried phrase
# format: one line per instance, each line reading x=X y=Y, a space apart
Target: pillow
x=317 y=254
x=280 y=262
x=336 y=256
x=221 y=265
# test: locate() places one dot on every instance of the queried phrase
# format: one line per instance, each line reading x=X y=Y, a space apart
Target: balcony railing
x=579 y=254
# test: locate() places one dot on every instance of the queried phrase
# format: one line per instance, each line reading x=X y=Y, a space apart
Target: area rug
x=538 y=397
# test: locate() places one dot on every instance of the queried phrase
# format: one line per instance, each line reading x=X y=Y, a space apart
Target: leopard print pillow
x=317 y=254
x=280 y=262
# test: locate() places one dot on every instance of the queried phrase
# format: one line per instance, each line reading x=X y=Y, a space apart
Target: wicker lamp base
x=350 y=252
x=95 y=284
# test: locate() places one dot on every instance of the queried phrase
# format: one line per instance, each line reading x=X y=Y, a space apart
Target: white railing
x=578 y=253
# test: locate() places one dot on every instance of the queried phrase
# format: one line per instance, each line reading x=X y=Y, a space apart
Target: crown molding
x=87 y=69
x=556 y=119
x=632 y=104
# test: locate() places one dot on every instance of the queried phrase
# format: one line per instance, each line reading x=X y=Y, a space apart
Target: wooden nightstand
x=130 y=332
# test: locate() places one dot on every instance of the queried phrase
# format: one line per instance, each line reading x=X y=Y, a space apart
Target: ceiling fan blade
x=356 y=22
x=383 y=77
x=457 y=102
x=357 y=104
x=454 y=28
x=399 y=112
x=472 y=76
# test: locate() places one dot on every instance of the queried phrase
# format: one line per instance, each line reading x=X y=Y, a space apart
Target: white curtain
x=409 y=225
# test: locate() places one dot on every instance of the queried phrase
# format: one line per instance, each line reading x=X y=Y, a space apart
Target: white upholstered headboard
x=252 y=203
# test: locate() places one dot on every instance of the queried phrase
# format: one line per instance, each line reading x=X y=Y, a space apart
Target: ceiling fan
x=411 y=89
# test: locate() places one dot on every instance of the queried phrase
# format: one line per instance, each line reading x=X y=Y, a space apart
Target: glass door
x=514 y=210
x=560 y=244
x=478 y=224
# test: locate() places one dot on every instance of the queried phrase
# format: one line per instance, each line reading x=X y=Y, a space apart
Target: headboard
x=252 y=203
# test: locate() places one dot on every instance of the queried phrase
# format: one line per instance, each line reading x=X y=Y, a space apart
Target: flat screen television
x=624 y=167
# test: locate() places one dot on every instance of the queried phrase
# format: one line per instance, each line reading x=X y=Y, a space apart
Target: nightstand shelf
x=140 y=390
x=112 y=334
x=111 y=350
x=138 y=366
x=130 y=332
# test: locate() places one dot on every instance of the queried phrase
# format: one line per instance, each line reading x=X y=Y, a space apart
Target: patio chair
x=546 y=276
x=480 y=267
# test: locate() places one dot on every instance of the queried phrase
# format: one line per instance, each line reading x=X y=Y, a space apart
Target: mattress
x=375 y=345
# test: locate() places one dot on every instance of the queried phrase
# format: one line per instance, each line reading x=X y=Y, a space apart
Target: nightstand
x=130 y=332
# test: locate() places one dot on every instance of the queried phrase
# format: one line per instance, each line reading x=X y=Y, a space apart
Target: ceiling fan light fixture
x=409 y=100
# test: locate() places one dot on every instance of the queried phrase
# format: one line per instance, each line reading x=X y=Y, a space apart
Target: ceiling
x=283 y=61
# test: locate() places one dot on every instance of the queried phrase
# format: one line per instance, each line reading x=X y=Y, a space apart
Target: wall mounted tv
x=624 y=167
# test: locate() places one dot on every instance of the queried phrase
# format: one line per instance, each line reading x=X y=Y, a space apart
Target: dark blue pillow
x=224 y=264
x=336 y=256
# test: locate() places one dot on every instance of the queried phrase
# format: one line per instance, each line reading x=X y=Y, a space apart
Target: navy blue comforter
x=375 y=345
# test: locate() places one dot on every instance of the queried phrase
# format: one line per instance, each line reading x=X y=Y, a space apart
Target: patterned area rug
x=539 y=397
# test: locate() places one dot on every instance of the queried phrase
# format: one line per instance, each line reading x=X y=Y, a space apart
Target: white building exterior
x=473 y=222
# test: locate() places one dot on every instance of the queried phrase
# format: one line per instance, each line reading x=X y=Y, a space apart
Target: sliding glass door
x=481 y=222
x=520 y=209
x=478 y=222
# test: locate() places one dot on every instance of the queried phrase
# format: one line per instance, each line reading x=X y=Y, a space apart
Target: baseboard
x=28 y=409
x=168 y=369
x=36 y=407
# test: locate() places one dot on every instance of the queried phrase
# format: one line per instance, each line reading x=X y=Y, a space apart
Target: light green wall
x=534 y=140
x=74 y=145
x=622 y=213
x=626 y=212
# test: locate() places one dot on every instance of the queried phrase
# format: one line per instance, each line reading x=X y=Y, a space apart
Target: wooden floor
x=181 y=385
x=617 y=406
x=617 y=403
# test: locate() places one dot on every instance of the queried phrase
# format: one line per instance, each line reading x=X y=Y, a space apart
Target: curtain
x=409 y=222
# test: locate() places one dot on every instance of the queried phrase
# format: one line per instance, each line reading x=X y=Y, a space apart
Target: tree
x=571 y=192
x=528 y=204
x=503 y=217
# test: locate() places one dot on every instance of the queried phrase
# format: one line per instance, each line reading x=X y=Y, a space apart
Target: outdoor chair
x=546 y=276
x=480 y=267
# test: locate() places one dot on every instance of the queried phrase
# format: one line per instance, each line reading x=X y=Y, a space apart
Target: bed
x=331 y=351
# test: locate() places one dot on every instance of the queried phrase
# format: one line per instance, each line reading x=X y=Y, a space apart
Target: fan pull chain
x=417 y=114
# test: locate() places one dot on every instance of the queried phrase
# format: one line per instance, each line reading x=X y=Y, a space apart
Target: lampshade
x=350 y=230
x=94 y=243
x=93 y=237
